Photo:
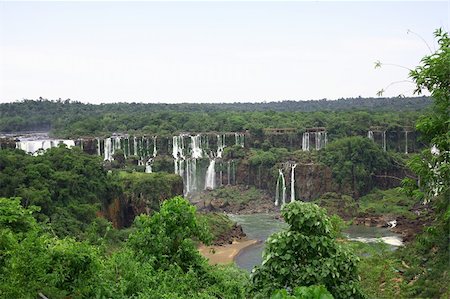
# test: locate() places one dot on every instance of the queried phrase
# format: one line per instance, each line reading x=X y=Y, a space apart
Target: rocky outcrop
x=141 y=193
x=235 y=233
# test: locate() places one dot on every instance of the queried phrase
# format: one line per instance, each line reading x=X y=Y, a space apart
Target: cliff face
x=141 y=193
x=311 y=180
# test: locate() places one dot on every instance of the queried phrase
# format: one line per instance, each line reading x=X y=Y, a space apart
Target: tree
x=166 y=237
x=434 y=75
x=429 y=274
x=307 y=254
x=354 y=160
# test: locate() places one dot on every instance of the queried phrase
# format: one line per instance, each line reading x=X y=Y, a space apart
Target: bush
x=306 y=254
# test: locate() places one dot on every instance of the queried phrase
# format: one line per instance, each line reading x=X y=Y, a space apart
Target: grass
x=387 y=202
x=379 y=270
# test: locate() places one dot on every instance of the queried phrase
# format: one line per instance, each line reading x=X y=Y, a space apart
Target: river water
x=261 y=226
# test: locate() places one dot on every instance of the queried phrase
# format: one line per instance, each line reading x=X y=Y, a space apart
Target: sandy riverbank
x=224 y=254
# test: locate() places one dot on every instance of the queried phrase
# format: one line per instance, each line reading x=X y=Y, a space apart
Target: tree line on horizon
x=75 y=119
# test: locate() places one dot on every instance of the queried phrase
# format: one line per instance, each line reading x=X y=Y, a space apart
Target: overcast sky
x=211 y=51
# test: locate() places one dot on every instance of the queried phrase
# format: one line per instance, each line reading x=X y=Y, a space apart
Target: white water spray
x=293 y=182
x=210 y=180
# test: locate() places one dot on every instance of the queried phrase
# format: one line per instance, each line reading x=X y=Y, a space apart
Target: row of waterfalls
x=381 y=135
x=320 y=140
x=199 y=159
x=35 y=146
x=189 y=154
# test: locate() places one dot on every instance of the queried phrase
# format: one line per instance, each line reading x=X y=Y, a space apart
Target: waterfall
x=177 y=147
x=384 y=140
x=186 y=166
x=293 y=182
x=370 y=135
x=154 y=146
x=210 y=180
x=128 y=146
x=228 y=172
x=135 y=146
x=116 y=143
x=221 y=174
x=281 y=192
x=220 y=145
x=277 y=189
x=239 y=139
x=305 y=141
x=196 y=147
x=406 y=142
x=148 y=166
x=107 y=149
x=34 y=146
x=187 y=185
x=99 y=152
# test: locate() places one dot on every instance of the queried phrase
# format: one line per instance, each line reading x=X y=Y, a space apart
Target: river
x=261 y=226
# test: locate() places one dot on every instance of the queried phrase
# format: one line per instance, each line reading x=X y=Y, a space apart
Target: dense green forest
x=75 y=119
x=75 y=226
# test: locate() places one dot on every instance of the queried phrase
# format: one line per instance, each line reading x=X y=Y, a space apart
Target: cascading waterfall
x=280 y=189
x=321 y=140
x=239 y=139
x=128 y=146
x=370 y=135
x=108 y=149
x=228 y=172
x=154 y=146
x=196 y=149
x=220 y=145
x=210 y=180
x=135 y=146
x=148 y=166
x=406 y=142
x=384 y=140
x=33 y=146
x=293 y=182
x=305 y=141
x=186 y=166
x=221 y=175
x=99 y=150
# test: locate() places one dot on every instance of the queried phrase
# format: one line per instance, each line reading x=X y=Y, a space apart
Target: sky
x=212 y=51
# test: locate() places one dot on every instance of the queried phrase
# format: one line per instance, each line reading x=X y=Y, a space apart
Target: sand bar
x=224 y=254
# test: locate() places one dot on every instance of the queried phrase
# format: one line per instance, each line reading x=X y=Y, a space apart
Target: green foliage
x=165 y=238
x=75 y=119
x=379 y=270
x=311 y=292
x=307 y=254
x=387 y=202
x=260 y=157
x=150 y=189
x=338 y=204
x=218 y=223
x=14 y=217
x=67 y=185
x=37 y=263
x=32 y=261
x=433 y=74
x=354 y=160
x=427 y=257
